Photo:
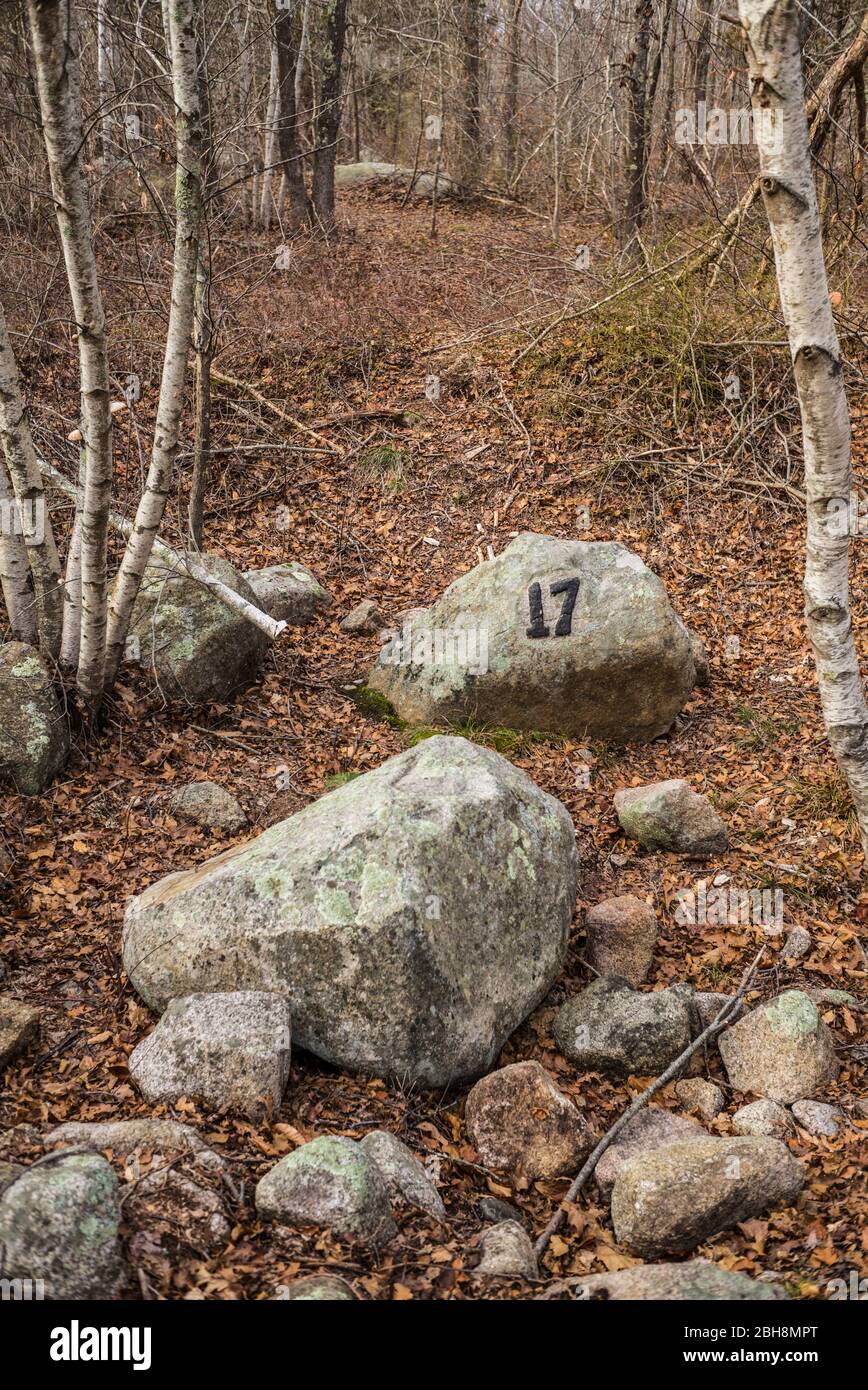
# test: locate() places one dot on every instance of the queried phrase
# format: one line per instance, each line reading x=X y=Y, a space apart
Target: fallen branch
x=178 y=563
x=723 y=1015
x=281 y=414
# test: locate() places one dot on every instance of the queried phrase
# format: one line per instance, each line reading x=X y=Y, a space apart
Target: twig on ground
x=723 y=1015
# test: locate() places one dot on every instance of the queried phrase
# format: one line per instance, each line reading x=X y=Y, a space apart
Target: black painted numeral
x=569 y=588
x=564 y=626
x=537 y=621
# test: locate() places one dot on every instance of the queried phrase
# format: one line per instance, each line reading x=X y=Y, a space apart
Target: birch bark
x=26 y=484
x=789 y=195
x=188 y=213
x=56 y=49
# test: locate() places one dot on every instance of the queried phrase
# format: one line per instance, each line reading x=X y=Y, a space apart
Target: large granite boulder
x=562 y=636
x=782 y=1051
x=413 y=917
x=34 y=736
x=196 y=648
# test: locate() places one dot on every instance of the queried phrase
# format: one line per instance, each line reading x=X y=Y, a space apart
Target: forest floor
x=595 y=432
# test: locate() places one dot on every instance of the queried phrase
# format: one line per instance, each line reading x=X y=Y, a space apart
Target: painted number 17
x=564 y=626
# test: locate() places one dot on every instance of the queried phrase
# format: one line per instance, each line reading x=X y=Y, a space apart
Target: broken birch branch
x=179 y=563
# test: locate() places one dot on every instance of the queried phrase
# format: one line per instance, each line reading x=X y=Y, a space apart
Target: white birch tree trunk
x=188 y=214
x=26 y=484
x=14 y=566
x=104 y=78
x=55 y=47
x=789 y=194
x=267 y=195
x=180 y=563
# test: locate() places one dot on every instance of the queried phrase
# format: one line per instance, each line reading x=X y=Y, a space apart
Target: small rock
x=507 y=1251
x=171 y=1202
x=622 y=934
x=315 y=1288
x=206 y=803
x=34 y=735
x=232 y=1050
x=59 y=1224
x=330 y=1182
x=797 y=944
x=289 y=592
x=493 y=1210
x=363 y=620
x=612 y=1028
x=861 y=1108
x=522 y=1124
x=649 y=1129
x=403 y=1172
x=125 y=1136
x=675 y=1198
x=763 y=1117
x=782 y=1051
x=693 y=1281
x=702 y=1096
x=19 y=1025
x=817 y=1118
x=671 y=816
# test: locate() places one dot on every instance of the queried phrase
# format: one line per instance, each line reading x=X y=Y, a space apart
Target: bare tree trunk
x=634 y=156
x=329 y=114
x=287 y=35
x=510 y=102
x=55 y=47
x=266 y=207
x=188 y=212
x=26 y=486
x=104 y=78
x=15 y=582
x=470 y=120
x=790 y=198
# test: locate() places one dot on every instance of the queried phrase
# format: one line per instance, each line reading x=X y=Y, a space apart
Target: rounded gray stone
x=330 y=1182
x=59 y=1224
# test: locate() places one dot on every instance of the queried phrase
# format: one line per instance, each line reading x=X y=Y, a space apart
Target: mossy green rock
x=196 y=648
x=59 y=1224
x=782 y=1051
x=619 y=666
x=413 y=917
x=332 y=1183
x=34 y=736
